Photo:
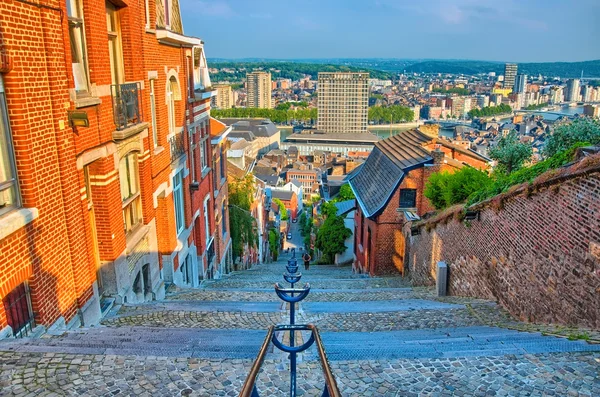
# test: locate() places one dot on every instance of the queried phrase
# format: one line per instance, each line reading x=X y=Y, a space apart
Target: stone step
x=217 y=343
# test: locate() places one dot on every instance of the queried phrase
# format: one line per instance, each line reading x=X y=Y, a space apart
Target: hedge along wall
x=535 y=249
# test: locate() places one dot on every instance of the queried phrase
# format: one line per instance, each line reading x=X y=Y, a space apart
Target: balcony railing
x=176 y=142
x=126 y=104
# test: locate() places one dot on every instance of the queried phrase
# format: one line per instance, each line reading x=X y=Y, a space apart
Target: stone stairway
x=380 y=335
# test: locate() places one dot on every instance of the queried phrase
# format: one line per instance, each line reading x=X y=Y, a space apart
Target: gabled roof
x=376 y=181
x=283 y=195
x=234 y=171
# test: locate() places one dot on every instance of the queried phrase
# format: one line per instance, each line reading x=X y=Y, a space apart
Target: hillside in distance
x=384 y=68
x=286 y=70
x=550 y=69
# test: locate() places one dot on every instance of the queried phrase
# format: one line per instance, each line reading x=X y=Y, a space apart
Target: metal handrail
x=331 y=387
x=282 y=293
x=330 y=381
x=249 y=388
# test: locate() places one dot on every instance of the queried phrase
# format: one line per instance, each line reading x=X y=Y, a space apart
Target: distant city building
x=592 y=111
x=556 y=95
x=573 y=89
x=258 y=87
x=586 y=93
x=224 y=97
x=416 y=112
x=520 y=83
x=306 y=144
x=343 y=101
x=459 y=106
x=379 y=83
x=261 y=133
x=483 y=101
x=510 y=74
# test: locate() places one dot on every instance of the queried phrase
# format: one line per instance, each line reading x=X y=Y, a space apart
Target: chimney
x=438 y=156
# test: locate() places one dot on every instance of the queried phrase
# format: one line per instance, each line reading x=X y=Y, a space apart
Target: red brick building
x=389 y=192
x=289 y=200
x=106 y=165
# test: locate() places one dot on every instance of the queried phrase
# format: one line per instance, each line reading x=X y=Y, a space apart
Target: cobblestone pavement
x=109 y=375
x=383 y=339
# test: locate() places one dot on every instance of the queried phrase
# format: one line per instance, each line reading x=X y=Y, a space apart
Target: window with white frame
x=147 y=4
x=171 y=88
x=115 y=46
x=178 y=201
x=224 y=217
x=206 y=219
x=9 y=193
x=203 y=155
x=153 y=112
x=130 y=191
x=78 y=46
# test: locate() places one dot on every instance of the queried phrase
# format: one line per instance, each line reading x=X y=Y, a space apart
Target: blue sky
x=500 y=30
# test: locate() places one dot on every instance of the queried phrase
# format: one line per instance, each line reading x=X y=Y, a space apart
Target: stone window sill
x=82 y=102
x=158 y=150
x=119 y=135
x=205 y=172
x=15 y=220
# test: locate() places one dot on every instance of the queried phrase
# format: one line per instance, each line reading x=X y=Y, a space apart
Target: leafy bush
x=331 y=237
x=528 y=174
x=444 y=189
x=274 y=243
x=566 y=135
x=510 y=153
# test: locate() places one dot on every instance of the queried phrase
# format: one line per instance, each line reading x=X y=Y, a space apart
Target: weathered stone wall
x=535 y=250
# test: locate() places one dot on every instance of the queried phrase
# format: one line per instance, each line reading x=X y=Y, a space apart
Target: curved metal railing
x=291 y=296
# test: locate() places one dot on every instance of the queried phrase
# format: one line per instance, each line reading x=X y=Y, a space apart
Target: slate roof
x=258 y=127
x=343 y=207
x=270 y=180
x=283 y=195
x=378 y=178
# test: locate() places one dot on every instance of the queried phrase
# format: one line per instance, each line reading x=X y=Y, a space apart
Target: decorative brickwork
x=535 y=252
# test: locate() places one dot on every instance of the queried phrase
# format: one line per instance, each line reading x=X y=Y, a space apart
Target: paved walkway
x=382 y=337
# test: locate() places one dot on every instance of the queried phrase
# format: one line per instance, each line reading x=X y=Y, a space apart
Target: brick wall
x=49 y=252
x=538 y=256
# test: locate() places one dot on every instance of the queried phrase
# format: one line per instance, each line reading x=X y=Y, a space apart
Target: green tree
x=241 y=222
x=444 y=189
x=510 y=153
x=282 y=209
x=345 y=193
x=274 y=243
x=332 y=236
x=566 y=135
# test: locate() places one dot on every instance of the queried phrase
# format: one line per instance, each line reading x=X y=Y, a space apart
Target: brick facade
x=81 y=183
x=379 y=243
x=537 y=252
